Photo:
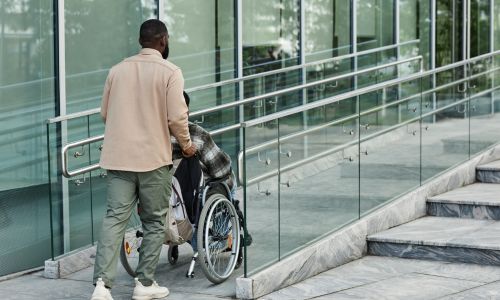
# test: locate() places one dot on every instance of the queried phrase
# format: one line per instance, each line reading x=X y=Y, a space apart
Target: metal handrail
x=285 y=138
x=248 y=77
x=301 y=87
x=301 y=66
x=359 y=92
x=302 y=108
x=351 y=143
x=64 y=157
x=83 y=170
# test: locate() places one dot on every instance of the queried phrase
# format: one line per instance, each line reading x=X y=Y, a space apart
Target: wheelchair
x=217 y=238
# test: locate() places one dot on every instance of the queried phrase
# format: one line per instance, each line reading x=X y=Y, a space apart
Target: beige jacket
x=142 y=105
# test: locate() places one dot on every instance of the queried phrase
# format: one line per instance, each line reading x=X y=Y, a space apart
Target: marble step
x=441 y=239
x=489 y=173
x=476 y=201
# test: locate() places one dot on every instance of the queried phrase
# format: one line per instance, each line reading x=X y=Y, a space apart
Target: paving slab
x=394 y=278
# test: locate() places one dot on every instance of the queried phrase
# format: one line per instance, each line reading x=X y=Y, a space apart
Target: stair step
x=489 y=173
x=442 y=239
x=476 y=201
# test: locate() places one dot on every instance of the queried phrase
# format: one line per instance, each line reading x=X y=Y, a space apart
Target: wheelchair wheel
x=173 y=254
x=218 y=238
x=131 y=244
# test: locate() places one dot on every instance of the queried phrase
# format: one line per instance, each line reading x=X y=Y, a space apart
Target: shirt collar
x=150 y=51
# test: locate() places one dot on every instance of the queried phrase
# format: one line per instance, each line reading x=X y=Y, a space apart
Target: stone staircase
x=462 y=225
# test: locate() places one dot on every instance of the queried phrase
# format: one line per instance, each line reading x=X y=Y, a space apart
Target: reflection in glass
x=375 y=24
x=96 y=39
x=202 y=41
x=480 y=24
x=271 y=31
x=449 y=32
x=327 y=26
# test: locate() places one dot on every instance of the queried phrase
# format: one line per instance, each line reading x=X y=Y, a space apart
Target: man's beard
x=165 y=52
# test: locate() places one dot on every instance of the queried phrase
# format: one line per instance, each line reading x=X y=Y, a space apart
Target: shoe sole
x=157 y=296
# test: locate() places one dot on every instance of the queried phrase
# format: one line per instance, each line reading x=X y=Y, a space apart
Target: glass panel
x=27 y=100
x=390 y=162
x=262 y=199
x=271 y=31
x=325 y=71
x=484 y=125
x=327 y=28
x=76 y=211
x=97 y=178
x=480 y=24
x=415 y=26
x=445 y=141
x=96 y=39
x=319 y=196
x=375 y=59
x=375 y=23
x=202 y=41
x=496 y=28
x=389 y=165
x=449 y=32
x=449 y=92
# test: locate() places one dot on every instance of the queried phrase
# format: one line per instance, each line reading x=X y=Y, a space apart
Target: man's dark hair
x=186 y=98
x=151 y=31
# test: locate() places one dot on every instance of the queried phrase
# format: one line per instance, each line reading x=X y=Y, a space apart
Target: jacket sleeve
x=105 y=97
x=177 y=111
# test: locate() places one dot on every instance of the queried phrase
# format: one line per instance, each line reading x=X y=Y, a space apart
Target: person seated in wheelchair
x=214 y=162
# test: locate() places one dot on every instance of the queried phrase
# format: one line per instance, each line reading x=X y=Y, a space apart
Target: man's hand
x=190 y=151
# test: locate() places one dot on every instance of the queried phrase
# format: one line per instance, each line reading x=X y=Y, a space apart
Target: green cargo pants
x=152 y=189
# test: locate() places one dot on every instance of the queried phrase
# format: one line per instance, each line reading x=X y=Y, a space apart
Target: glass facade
x=27 y=99
x=258 y=47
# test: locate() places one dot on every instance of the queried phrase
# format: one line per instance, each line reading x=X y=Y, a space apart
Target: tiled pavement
x=378 y=278
x=78 y=286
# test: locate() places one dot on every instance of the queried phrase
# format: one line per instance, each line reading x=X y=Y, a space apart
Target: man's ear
x=163 y=41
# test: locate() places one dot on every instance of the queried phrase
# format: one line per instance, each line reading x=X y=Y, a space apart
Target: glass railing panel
x=445 y=139
x=325 y=71
x=317 y=196
x=56 y=228
x=484 y=119
x=270 y=83
x=261 y=204
x=57 y=190
x=389 y=152
x=448 y=90
x=97 y=178
x=77 y=222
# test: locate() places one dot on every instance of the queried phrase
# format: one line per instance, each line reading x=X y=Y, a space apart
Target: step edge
x=490 y=169
x=431 y=243
x=464 y=202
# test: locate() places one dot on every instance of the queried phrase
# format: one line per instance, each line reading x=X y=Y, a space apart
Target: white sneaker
x=101 y=292
x=153 y=291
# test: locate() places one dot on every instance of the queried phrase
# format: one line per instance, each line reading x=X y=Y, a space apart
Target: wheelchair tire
x=173 y=254
x=129 y=252
x=218 y=238
x=131 y=243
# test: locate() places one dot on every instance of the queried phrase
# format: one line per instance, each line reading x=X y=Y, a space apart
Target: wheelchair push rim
x=218 y=238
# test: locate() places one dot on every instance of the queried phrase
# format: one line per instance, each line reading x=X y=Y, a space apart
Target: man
x=142 y=106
